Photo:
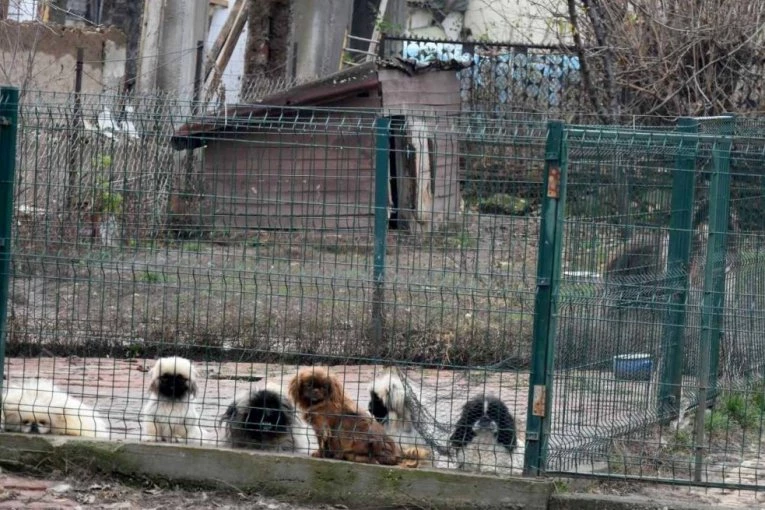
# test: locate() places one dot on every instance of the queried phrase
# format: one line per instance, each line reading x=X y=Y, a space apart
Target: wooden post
x=212 y=55
x=228 y=46
x=376 y=31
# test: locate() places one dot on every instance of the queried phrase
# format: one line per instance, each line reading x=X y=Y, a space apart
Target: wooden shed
x=305 y=158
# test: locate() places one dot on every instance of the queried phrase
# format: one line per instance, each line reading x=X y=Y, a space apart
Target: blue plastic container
x=633 y=367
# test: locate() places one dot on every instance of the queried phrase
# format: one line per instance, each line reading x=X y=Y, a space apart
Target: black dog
x=265 y=420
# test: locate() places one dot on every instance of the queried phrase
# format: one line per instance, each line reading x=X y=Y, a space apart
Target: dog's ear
x=463 y=430
x=335 y=393
x=154 y=386
x=506 y=435
x=230 y=412
x=293 y=389
x=462 y=435
x=396 y=397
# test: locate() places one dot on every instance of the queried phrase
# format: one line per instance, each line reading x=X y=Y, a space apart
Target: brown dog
x=344 y=431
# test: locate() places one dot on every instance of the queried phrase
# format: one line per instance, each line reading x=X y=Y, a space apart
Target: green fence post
x=678 y=265
x=9 y=116
x=382 y=154
x=714 y=285
x=548 y=273
x=719 y=215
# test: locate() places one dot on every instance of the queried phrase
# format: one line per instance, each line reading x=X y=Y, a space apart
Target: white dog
x=36 y=406
x=169 y=414
x=391 y=405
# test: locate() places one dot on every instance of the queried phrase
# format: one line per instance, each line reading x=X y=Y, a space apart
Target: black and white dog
x=484 y=438
x=265 y=419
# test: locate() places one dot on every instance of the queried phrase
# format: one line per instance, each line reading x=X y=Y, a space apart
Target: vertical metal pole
x=74 y=141
x=549 y=254
x=719 y=216
x=714 y=285
x=189 y=163
x=198 y=77
x=382 y=150
x=678 y=272
x=9 y=114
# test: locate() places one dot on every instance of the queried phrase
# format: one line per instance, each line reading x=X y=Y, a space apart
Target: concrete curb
x=295 y=479
x=305 y=479
x=606 y=502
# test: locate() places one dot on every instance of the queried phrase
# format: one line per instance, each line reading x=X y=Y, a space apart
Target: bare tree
x=668 y=58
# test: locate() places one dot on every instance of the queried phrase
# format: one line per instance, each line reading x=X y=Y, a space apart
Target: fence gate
x=636 y=300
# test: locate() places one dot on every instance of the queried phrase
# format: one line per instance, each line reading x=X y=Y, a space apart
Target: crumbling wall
x=39 y=57
x=126 y=15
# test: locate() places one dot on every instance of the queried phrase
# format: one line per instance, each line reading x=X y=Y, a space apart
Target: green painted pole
x=719 y=214
x=382 y=154
x=714 y=286
x=9 y=117
x=548 y=273
x=678 y=272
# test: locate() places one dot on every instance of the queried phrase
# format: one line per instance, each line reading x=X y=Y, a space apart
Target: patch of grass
x=741 y=410
x=460 y=239
x=681 y=441
x=758 y=398
x=502 y=203
x=561 y=487
x=149 y=276
x=716 y=423
x=192 y=246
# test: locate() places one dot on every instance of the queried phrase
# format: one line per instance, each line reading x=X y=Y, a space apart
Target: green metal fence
x=654 y=357
x=588 y=276
x=9 y=105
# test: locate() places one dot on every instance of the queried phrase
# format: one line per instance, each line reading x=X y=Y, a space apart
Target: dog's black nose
x=34 y=429
x=484 y=422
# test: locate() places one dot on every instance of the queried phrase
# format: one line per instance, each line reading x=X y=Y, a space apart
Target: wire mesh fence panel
x=256 y=277
x=173 y=274
x=651 y=355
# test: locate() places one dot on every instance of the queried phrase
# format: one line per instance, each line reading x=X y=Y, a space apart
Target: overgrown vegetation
x=732 y=427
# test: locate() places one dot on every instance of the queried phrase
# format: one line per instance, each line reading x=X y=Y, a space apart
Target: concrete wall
x=293 y=478
x=520 y=21
x=305 y=479
x=43 y=58
x=319 y=28
x=184 y=24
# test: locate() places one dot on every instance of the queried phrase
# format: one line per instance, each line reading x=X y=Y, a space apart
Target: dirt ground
x=24 y=491
x=653 y=492
x=20 y=491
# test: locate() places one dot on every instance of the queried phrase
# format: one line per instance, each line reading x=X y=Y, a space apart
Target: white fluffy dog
x=169 y=414
x=36 y=406
x=391 y=406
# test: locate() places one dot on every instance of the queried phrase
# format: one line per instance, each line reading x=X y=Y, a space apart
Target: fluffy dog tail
x=415 y=457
